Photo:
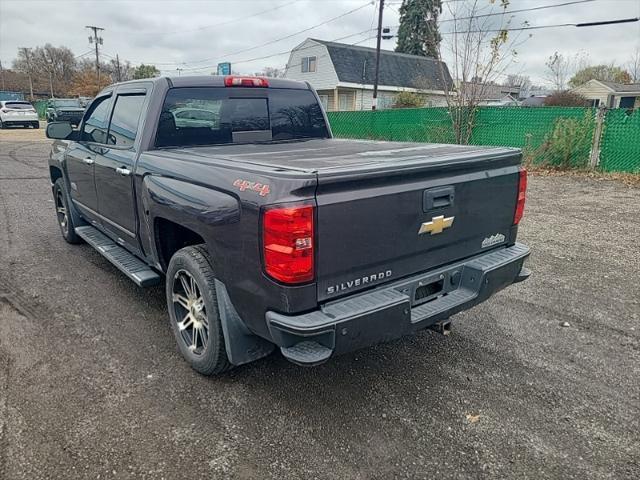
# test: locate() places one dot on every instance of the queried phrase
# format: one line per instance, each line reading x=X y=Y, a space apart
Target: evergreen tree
x=418 y=33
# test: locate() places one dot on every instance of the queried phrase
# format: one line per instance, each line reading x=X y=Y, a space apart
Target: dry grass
x=629 y=179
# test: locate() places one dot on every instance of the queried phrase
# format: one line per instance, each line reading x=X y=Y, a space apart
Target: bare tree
x=514 y=80
x=271 y=72
x=24 y=64
x=633 y=66
x=120 y=70
x=478 y=49
x=558 y=71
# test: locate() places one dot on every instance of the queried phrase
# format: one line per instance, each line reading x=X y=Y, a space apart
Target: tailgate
x=373 y=227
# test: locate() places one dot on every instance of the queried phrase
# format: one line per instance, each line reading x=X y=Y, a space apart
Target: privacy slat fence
x=555 y=136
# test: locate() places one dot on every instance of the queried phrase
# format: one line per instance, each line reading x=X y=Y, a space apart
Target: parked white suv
x=15 y=112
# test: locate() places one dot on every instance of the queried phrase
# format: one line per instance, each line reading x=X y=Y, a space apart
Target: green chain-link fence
x=555 y=136
x=41 y=108
x=620 y=147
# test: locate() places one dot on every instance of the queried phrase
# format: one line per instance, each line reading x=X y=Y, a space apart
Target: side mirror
x=59 y=130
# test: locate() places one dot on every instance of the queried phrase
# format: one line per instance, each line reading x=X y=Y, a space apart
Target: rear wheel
x=65 y=219
x=193 y=311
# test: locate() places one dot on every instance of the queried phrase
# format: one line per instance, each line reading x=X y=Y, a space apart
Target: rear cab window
x=196 y=116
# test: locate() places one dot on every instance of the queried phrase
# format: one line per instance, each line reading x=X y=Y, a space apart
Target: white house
x=343 y=75
x=609 y=94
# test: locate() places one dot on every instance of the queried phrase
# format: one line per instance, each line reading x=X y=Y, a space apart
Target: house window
x=344 y=101
x=386 y=101
x=308 y=64
x=595 y=103
x=324 y=99
x=627 y=102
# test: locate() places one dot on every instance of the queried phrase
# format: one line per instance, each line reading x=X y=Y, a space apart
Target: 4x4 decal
x=261 y=189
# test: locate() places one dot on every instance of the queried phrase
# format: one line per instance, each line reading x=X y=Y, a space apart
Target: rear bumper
x=26 y=120
x=396 y=309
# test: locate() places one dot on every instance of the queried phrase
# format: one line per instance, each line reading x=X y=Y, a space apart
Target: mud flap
x=242 y=345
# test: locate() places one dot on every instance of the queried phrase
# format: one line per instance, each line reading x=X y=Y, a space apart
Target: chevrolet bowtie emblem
x=436 y=225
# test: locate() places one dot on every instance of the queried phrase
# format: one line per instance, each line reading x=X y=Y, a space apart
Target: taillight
x=522 y=191
x=233 y=81
x=287 y=239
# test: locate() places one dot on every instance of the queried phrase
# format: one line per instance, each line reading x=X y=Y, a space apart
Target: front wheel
x=193 y=311
x=65 y=219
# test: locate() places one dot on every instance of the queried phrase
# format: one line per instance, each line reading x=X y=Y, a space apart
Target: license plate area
x=428 y=290
x=432 y=286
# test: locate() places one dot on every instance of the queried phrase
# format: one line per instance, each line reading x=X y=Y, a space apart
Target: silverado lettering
x=285 y=262
x=357 y=282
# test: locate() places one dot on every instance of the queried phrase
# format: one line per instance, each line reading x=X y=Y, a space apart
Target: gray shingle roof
x=355 y=64
x=621 y=87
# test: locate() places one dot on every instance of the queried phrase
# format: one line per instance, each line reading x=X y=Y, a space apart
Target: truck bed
x=334 y=157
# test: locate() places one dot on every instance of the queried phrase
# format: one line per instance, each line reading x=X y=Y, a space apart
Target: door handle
x=88 y=161
x=123 y=171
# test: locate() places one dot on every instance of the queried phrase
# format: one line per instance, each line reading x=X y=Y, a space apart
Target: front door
x=115 y=166
x=80 y=158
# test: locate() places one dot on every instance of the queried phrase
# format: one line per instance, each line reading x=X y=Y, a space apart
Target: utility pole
x=118 y=74
x=50 y=70
x=179 y=71
x=375 y=81
x=97 y=41
x=26 y=52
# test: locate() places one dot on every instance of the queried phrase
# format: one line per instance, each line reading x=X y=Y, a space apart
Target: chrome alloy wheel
x=190 y=312
x=61 y=211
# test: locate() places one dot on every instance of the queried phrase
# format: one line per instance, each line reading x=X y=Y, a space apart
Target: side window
x=124 y=121
x=308 y=64
x=94 y=128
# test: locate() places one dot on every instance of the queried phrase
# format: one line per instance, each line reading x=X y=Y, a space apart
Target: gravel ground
x=92 y=385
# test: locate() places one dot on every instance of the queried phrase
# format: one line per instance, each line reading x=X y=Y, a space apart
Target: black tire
x=65 y=219
x=200 y=313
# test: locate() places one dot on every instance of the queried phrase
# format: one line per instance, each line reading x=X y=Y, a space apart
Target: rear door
x=80 y=156
x=378 y=229
x=115 y=164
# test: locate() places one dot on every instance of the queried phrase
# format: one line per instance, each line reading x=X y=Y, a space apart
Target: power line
x=226 y=22
x=540 y=27
x=303 y=48
x=505 y=12
x=270 y=42
x=276 y=40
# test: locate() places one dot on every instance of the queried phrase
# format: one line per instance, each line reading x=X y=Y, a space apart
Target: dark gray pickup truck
x=268 y=232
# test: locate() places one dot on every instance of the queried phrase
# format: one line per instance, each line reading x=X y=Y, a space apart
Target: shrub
x=408 y=100
x=566 y=99
x=569 y=144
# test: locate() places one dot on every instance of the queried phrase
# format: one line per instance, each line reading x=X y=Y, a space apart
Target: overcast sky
x=196 y=35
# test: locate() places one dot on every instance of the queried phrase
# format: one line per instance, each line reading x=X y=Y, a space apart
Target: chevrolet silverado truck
x=269 y=233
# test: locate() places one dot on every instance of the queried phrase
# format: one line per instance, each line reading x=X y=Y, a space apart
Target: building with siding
x=344 y=74
x=610 y=94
